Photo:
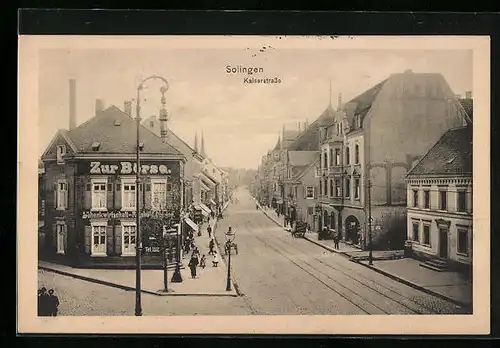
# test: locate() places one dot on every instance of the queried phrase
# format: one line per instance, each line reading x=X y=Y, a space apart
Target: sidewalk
x=211 y=281
x=451 y=286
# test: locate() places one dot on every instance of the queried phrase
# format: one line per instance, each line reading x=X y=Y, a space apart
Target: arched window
x=356 y=154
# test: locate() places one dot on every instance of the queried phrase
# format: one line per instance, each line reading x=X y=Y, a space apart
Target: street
x=276 y=274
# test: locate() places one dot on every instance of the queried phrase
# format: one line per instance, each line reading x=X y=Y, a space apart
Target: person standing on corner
x=193 y=263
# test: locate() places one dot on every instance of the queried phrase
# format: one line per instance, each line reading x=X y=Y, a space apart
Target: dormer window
x=61 y=151
x=95 y=146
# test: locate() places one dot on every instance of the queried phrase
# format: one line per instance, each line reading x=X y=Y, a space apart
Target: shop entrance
x=352 y=228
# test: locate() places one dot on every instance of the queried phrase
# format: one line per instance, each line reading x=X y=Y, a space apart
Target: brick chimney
x=72 y=104
x=468 y=95
x=99 y=106
x=127 y=107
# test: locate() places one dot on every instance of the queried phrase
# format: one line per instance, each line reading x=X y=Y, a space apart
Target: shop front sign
x=120 y=214
x=123 y=168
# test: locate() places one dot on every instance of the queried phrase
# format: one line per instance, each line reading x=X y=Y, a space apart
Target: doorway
x=443 y=243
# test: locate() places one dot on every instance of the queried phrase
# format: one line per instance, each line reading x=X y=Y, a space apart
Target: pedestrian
x=193 y=263
x=211 y=247
x=209 y=230
x=43 y=299
x=196 y=252
x=215 y=260
x=203 y=261
x=336 y=241
x=53 y=302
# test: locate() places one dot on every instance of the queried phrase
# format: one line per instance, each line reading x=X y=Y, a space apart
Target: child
x=203 y=261
x=215 y=261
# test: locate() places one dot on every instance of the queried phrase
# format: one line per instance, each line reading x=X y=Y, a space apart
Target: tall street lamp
x=230 y=236
x=177 y=277
x=138 y=249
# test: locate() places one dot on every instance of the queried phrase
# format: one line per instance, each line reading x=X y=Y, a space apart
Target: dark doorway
x=332 y=220
x=443 y=243
x=352 y=228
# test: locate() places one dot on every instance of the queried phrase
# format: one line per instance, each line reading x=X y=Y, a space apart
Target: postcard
x=253 y=184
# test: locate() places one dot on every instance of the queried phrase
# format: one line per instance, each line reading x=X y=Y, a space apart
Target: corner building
x=90 y=190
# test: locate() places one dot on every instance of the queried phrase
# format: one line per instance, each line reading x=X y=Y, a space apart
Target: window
x=337 y=157
x=415 y=198
x=427 y=235
x=128 y=195
x=427 y=199
x=325 y=159
x=348 y=187
x=463 y=241
x=128 y=239
x=461 y=201
x=296 y=192
x=337 y=188
x=61 y=151
x=331 y=156
x=356 y=188
x=99 y=239
x=356 y=154
x=159 y=195
x=151 y=124
x=331 y=188
x=309 y=192
x=62 y=195
x=310 y=210
x=321 y=187
x=347 y=156
x=99 y=195
x=61 y=231
x=416 y=237
x=442 y=199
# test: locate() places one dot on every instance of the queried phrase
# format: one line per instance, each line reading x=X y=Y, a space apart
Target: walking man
x=193 y=263
x=336 y=241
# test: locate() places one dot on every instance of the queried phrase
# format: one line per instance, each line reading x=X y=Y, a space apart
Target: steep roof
x=114 y=138
x=301 y=158
x=451 y=155
x=365 y=100
x=308 y=140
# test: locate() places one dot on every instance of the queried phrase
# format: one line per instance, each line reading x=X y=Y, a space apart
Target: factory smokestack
x=72 y=104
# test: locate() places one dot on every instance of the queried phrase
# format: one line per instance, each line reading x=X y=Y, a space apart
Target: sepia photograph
x=283 y=177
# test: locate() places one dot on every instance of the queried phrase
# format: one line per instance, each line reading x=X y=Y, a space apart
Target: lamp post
x=370 y=256
x=177 y=277
x=138 y=249
x=230 y=235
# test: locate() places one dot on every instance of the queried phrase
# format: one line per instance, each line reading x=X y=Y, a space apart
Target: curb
x=326 y=247
x=415 y=286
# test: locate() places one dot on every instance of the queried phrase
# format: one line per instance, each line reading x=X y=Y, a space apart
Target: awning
x=205 y=208
x=191 y=224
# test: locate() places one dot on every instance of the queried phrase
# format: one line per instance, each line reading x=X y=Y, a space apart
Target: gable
x=59 y=139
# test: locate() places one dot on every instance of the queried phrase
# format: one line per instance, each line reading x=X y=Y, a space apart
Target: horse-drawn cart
x=299 y=229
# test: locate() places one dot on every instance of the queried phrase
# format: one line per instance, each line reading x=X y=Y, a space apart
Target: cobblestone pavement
x=280 y=274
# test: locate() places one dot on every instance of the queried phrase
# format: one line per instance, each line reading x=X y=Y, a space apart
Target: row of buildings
x=401 y=150
x=88 y=188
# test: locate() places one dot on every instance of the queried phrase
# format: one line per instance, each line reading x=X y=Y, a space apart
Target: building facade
x=439 y=195
x=90 y=191
x=369 y=149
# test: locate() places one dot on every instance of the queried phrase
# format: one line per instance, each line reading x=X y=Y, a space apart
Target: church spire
x=196 y=141
x=339 y=102
x=202 y=145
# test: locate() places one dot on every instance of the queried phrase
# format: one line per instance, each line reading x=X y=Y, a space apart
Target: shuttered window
x=128 y=239
x=99 y=239
x=99 y=195
x=128 y=195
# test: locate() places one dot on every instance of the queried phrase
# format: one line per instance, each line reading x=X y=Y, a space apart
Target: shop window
x=99 y=239
x=62 y=195
x=128 y=239
x=415 y=198
x=159 y=195
x=442 y=199
x=463 y=241
x=61 y=233
x=461 y=205
x=427 y=199
x=128 y=195
x=416 y=232
x=99 y=195
x=427 y=235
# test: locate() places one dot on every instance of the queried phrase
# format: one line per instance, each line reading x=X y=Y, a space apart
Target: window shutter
x=109 y=193
x=87 y=204
x=54 y=237
x=65 y=239
x=109 y=240
x=55 y=195
x=118 y=195
x=147 y=196
x=118 y=240
x=88 y=240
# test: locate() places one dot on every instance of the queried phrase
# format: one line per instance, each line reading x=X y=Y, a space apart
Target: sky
x=240 y=122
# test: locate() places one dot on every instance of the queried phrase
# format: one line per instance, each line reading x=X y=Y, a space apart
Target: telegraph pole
x=370 y=256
